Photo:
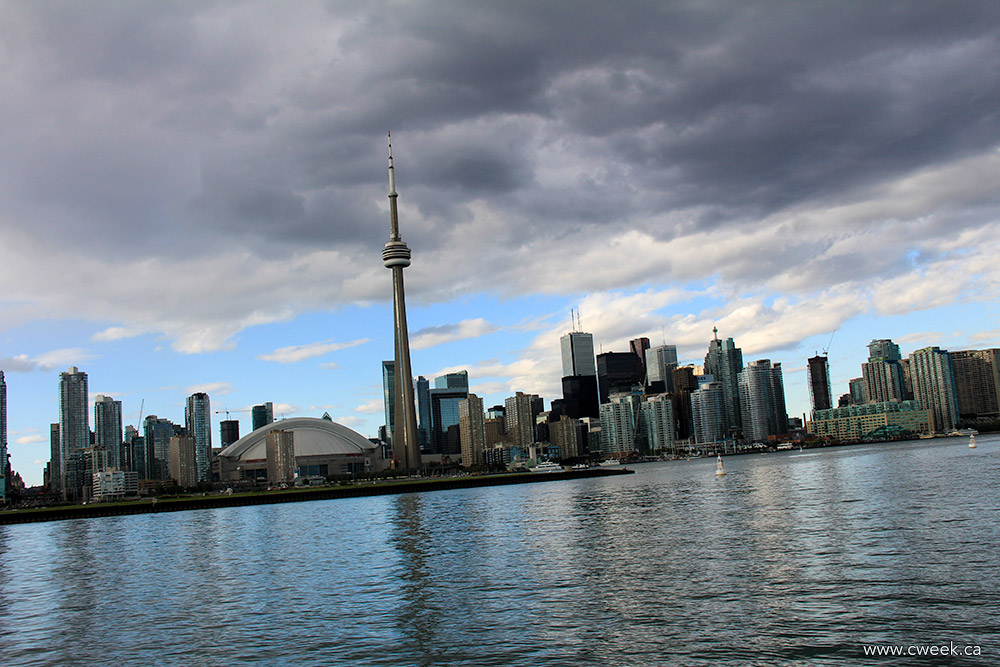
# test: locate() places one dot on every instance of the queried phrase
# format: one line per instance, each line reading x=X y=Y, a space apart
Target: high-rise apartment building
x=577 y=354
x=724 y=362
x=819 y=383
x=472 y=430
x=977 y=383
x=229 y=432
x=74 y=433
x=3 y=440
x=708 y=414
x=620 y=423
x=198 y=423
x=158 y=433
x=519 y=419
x=183 y=457
x=882 y=374
x=279 y=446
x=934 y=386
x=762 y=399
x=108 y=429
x=657 y=414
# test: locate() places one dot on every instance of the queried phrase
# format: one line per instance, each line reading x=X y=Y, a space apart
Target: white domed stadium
x=320 y=447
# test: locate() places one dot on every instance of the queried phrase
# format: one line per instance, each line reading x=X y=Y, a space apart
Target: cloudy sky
x=193 y=194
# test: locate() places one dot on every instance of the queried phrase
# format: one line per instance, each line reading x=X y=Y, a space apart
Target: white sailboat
x=719 y=470
x=972 y=441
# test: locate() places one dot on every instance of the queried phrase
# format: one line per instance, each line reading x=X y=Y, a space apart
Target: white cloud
x=28 y=439
x=115 y=333
x=448 y=333
x=296 y=353
x=373 y=406
x=210 y=388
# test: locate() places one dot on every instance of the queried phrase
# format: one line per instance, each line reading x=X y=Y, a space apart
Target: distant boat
x=972 y=441
x=611 y=462
x=546 y=466
x=719 y=470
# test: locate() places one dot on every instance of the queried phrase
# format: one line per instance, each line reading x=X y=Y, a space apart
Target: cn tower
x=396 y=256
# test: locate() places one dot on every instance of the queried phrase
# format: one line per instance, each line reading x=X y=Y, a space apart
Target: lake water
x=793 y=558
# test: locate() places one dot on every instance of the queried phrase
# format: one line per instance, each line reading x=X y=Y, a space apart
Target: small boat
x=611 y=462
x=546 y=466
x=719 y=470
x=972 y=441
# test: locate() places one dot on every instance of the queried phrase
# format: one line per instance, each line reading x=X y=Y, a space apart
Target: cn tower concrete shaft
x=396 y=257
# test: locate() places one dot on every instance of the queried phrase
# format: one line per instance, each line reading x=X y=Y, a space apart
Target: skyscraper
x=619 y=423
x=660 y=364
x=762 y=399
x=618 y=372
x=577 y=354
x=198 y=423
x=519 y=419
x=657 y=413
x=396 y=257
x=934 y=386
x=638 y=347
x=157 y=442
x=977 y=382
x=883 y=376
x=724 y=362
x=708 y=413
x=229 y=432
x=108 y=429
x=183 y=454
x=444 y=417
x=423 y=387
x=3 y=439
x=819 y=383
x=388 y=395
x=74 y=432
x=262 y=415
x=456 y=380
x=472 y=430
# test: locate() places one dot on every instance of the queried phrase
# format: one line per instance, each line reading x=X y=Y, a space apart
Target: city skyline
x=193 y=210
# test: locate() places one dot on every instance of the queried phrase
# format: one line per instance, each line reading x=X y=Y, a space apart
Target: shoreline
x=147 y=506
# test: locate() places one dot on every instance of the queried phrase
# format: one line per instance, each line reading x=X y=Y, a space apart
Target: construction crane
x=139 y=422
x=219 y=412
x=827 y=348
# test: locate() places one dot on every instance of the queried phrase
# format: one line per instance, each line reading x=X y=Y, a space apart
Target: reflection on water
x=791 y=558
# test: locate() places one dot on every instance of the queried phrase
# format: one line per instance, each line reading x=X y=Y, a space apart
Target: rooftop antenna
x=663 y=336
x=579 y=322
x=572 y=320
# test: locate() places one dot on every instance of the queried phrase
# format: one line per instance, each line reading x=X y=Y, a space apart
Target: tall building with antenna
x=396 y=257
x=819 y=383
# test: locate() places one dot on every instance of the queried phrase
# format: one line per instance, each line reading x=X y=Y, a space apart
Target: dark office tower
x=3 y=440
x=638 y=347
x=857 y=391
x=74 y=431
x=882 y=373
x=229 y=432
x=458 y=380
x=977 y=383
x=685 y=384
x=762 y=398
x=262 y=415
x=198 y=424
x=819 y=383
x=55 y=460
x=724 y=362
x=157 y=440
x=618 y=372
x=108 y=429
x=445 y=414
x=388 y=395
x=580 y=398
x=396 y=257
x=423 y=411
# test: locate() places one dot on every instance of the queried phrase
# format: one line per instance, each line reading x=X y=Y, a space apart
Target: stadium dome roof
x=313 y=437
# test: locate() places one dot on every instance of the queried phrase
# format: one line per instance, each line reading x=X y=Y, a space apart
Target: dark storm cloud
x=183 y=127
